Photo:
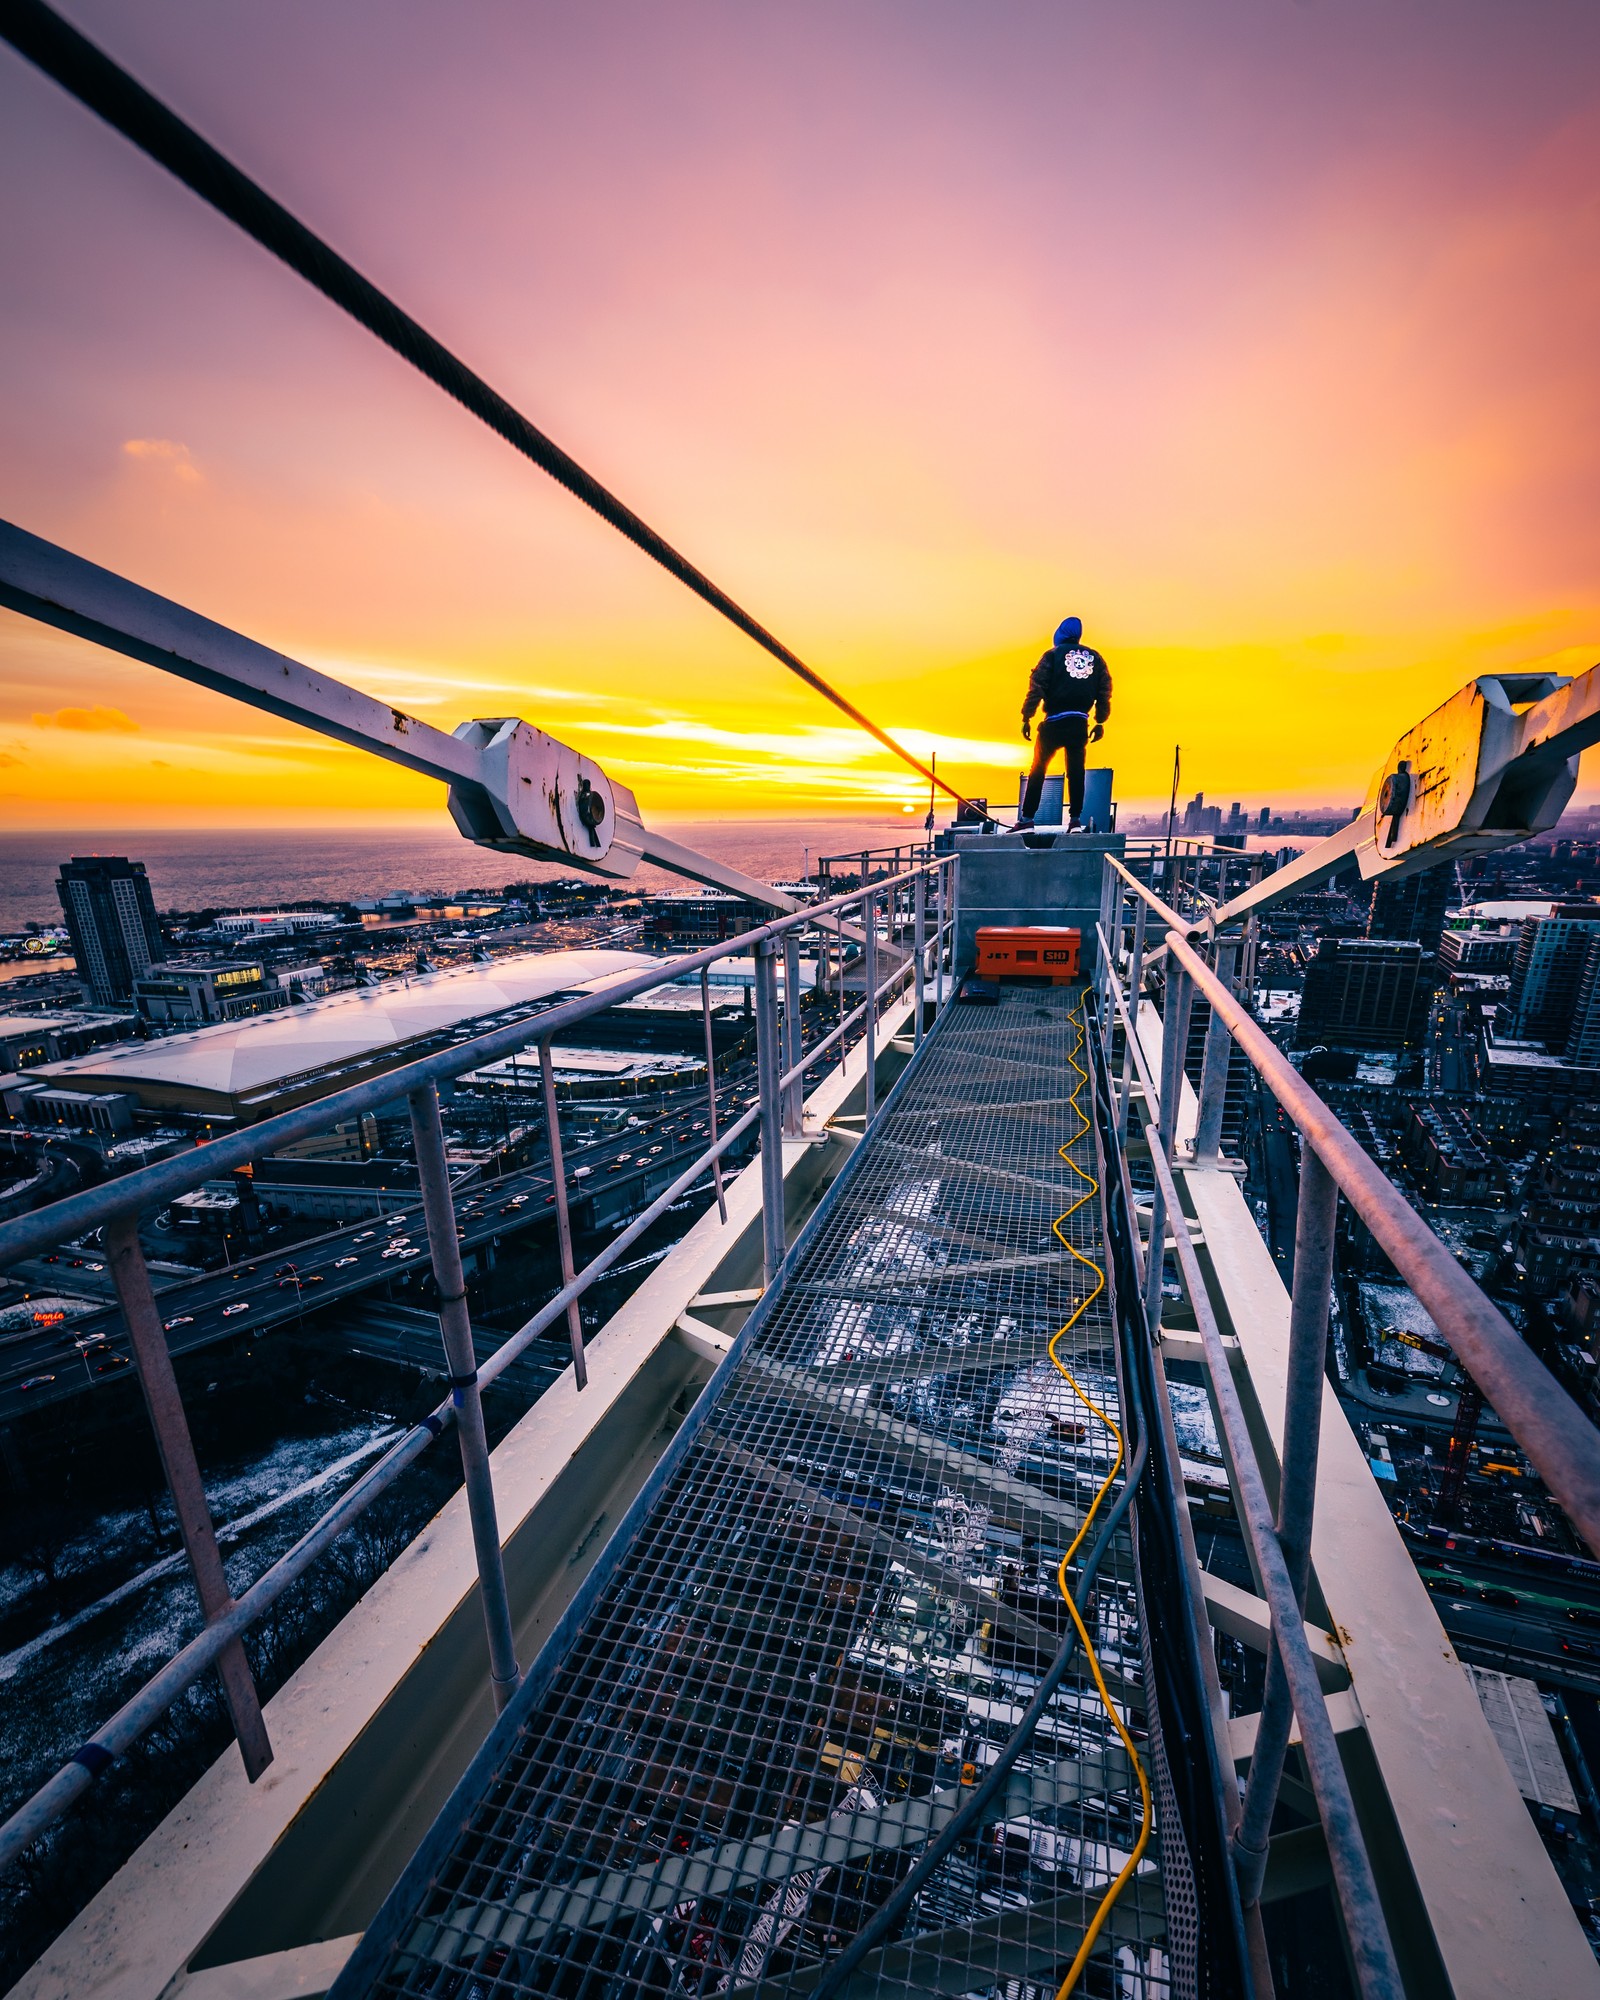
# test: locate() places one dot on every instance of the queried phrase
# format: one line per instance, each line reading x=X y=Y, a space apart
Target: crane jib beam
x=512 y=787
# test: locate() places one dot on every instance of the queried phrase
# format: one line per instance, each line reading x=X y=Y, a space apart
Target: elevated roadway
x=610 y=1178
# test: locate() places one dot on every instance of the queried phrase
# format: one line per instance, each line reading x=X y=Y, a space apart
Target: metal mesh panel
x=836 y=1608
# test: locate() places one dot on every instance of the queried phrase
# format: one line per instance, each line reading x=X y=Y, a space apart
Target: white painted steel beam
x=1499 y=1915
x=511 y=786
x=1498 y=1912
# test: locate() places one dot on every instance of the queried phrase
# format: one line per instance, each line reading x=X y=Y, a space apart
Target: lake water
x=257 y=869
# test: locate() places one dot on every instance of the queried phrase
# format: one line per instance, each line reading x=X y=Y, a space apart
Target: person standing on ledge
x=1070 y=683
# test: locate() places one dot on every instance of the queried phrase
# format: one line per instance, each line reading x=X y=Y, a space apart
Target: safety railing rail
x=782 y=1062
x=1557 y=1438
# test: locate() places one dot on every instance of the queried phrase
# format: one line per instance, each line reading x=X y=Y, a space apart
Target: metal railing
x=782 y=1062
x=1559 y=1440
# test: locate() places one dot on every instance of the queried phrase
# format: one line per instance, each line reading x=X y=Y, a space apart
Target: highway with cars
x=62 y=1358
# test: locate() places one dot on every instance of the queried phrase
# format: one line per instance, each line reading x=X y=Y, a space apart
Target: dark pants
x=1069 y=733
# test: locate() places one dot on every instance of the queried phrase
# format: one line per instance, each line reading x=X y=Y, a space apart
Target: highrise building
x=1413 y=907
x=1558 y=1234
x=1365 y=993
x=1478 y=948
x=111 y=918
x=1547 y=970
x=1583 y=1037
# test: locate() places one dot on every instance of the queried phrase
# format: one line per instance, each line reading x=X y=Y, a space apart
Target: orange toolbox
x=1028 y=951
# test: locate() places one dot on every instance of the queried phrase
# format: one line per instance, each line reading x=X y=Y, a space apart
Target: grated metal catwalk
x=833 y=1609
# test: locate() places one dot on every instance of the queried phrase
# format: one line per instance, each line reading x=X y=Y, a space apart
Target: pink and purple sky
x=1261 y=335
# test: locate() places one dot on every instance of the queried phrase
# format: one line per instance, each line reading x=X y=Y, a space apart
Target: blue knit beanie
x=1069 y=632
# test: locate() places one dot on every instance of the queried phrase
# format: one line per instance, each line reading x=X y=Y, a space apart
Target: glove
x=1096 y=733
x=1027 y=730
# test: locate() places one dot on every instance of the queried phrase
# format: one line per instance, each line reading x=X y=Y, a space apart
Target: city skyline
x=1247 y=350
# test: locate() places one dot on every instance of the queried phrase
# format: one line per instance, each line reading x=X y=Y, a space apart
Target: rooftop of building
x=253 y=1058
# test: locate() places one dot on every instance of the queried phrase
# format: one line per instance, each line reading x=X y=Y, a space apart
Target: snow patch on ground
x=79 y=1668
x=1191 y=1419
x=1390 y=1309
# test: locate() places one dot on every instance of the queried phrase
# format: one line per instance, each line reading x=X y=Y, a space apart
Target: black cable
x=973 y=1810
x=88 y=74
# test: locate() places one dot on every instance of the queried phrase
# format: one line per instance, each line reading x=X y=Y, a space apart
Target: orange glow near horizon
x=1256 y=356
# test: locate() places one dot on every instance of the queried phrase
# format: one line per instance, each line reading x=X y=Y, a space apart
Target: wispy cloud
x=177 y=459
x=96 y=721
x=808 y=745
x=421 y=687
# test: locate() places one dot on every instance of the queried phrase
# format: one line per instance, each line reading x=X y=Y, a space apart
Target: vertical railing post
x=794 y=1096
x=1214 y=1069
x=711 y=1088
x=1174 y=1041
x=455 y=1325
x=1174 y=1048
x=955 y=924
x=1113 y=931
x=147 y=1337
x=1141 y=910
x=1315 y=1221
x=869 y=973
x=919 y=948
x=558 y=1183
x=938 y=945
x=767 y=1072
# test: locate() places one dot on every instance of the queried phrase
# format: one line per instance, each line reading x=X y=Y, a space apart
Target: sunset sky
x=1262 y=335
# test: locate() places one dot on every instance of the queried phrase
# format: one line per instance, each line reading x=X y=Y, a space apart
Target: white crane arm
x=511 y=786
x=1493 y=765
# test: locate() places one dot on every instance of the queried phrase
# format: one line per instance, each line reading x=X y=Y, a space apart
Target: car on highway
x=36 y=1382
x=654 y=1150
x=582 y=1173
x=400 y=1250
x=1503 y=1600
x=239 y=1306
x=180 y=1319
x=366 y=1235
x=624 y=1156
x=340 y=1262
x=111 y=1364
x=1584 y=1614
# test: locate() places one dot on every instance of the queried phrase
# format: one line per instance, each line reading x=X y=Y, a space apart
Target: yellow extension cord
x=1092 y=1188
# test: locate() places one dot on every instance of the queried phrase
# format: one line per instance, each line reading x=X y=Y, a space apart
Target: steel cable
x=1091 y=1189
x=102 y=86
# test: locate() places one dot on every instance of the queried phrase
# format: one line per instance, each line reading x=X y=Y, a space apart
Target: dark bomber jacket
x=1070 y=678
